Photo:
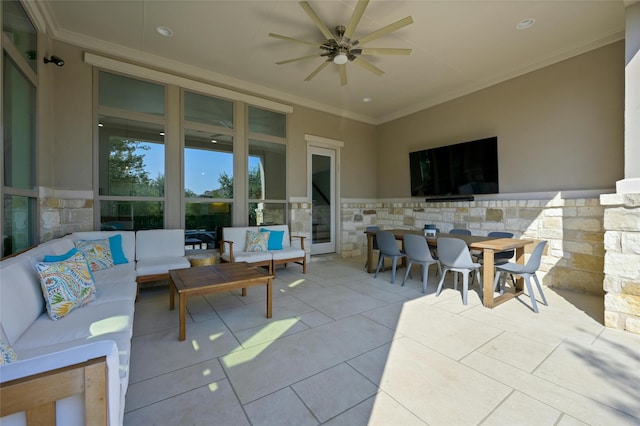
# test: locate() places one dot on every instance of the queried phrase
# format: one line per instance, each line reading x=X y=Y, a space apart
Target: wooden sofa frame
x=37 y=394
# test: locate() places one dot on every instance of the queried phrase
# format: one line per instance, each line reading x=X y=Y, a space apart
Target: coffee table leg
x=172 y=289
x=269 y=301
x=183 y=313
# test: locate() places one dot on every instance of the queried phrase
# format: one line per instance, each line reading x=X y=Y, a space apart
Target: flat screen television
x=462 y=169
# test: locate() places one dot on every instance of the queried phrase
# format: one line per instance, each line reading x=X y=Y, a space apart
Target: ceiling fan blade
x=317 y=70
x=297 y=40
x=343 y=74
x=355 y=19
x=368 y=66
x=302 y=58
x=316 y=20
x=381 y=51
x=384 y=30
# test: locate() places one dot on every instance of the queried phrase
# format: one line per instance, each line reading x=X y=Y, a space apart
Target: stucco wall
x=558 y=128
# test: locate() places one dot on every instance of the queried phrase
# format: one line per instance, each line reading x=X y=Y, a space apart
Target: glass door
x=323 y=194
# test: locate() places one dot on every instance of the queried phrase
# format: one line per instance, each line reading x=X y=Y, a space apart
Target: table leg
x=269 y=297
x=183 y=314
x=244 y=291
x=487 y=277
x=370 y=267
x=172 y=290
x=520 y=260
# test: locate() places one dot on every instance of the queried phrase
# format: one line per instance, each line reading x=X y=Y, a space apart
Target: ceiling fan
x=340 y=48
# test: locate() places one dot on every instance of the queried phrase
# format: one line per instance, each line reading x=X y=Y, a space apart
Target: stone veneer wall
x=300 y=222
x=64 y=211
x=622 y=261
x=574 y=258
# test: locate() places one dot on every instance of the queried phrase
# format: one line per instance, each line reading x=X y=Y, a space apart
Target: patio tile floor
x=344 y=348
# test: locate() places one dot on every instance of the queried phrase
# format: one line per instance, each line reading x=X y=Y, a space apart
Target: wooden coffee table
x=212 y=279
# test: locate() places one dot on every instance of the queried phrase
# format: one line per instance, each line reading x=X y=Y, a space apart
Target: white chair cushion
x=160 y=265
x=287 y=253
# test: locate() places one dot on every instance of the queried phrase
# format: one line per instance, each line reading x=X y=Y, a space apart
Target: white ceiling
x=458 y=46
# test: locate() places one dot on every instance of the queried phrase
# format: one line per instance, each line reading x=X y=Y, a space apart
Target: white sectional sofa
x=233 y=247
x=101 y=329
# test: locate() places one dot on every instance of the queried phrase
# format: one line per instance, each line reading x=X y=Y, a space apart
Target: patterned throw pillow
x=66 y=285
x=97 y=252
x=257 y=241
x=7 y=354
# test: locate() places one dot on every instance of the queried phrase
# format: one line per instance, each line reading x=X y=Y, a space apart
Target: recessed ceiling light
x=525 y=23
x=164 y=31
x=367 y=99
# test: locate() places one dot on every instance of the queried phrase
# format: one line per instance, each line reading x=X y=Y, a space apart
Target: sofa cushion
x=160 y=265
x=88 y=322
x=97 y=252
x=275 y=238
x=19 y=282
x=257 y=241
x=159 y=243
x=66 y=285
x=125 y=273
x=245 y=256
x=287 y=253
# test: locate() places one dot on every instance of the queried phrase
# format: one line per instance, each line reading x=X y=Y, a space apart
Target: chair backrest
x=387 y=244
x=454 y=252
x=416 y=248
x=375 y=240
x=534 y=260
x=460 y=231
x=503 y=254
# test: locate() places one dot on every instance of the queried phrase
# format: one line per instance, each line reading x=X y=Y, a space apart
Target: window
x=267 y=168
x=208 y=166
x=19 y=107
x=20 y=31
x=131 y=154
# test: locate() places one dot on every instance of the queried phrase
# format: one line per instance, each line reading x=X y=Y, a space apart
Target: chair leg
x=425 y=276
x=479 y=275
x=455 y=280
x=393 y=270
x=544 y=299
x=406 y=274
x=532 y=296
x=465 y=287
x=442 y=275
x=496 y=280
x=380 y=261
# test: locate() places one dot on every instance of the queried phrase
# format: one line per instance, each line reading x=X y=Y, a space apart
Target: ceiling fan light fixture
x=340 y=59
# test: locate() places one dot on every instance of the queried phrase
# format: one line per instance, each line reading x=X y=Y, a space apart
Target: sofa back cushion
x=21 y=300
x=154 y=243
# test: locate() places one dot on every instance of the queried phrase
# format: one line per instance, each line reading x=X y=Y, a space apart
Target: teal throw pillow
x=60 y=257
x=66 y=285
x=117 y=253
x=275 y=239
